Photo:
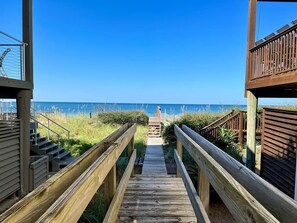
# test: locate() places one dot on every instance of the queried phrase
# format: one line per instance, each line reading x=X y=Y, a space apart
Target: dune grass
x=86 y=132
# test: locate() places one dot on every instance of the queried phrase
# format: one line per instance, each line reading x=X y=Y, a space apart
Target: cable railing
x=11 y=113
x=12 y=54
x=50 y=121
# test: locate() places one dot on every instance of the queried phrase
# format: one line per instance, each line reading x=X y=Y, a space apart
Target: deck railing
x=64 y=197
x=248 y=197
x=12 y=54
x=233 y=121
x=276 y=55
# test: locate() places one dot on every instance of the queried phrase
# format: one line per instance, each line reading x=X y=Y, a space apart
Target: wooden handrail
x=276 y=202
x=30 y=208
x=242 y=205
x=197 y=205
x=72 y=203
x=206 y=128
x=113 y=210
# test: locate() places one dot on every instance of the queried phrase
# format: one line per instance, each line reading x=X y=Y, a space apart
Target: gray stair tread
x=55 y=151
x=43 y=143
x=53 y=145
x=67 y=161
x=62 y=155
x=38 y=139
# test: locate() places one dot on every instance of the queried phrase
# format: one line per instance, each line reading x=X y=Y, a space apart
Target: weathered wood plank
x=194 y=198
x=157 y=219
x=269 y=196
x=240 y=203
x=113 y=210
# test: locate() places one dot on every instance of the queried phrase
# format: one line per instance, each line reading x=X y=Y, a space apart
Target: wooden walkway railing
x=234 y=121
x=248 y=197
x=64 y=197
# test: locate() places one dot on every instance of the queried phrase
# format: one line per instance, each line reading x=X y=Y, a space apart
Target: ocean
x=74 y=108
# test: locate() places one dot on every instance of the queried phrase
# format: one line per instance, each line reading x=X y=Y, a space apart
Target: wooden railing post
x=130 y=151
x=110 y=186
x=131 y=147
x=179 y=148
x=203 y=189
x=240 y=130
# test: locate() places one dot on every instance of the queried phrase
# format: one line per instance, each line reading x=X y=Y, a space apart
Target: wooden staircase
x=58 y=157
x=235 y=121
x=155 y=125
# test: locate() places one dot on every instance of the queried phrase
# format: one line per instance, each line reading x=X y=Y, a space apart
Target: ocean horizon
x=75 y=108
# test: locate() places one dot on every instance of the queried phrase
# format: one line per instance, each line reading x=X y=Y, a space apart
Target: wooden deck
x=155 y=196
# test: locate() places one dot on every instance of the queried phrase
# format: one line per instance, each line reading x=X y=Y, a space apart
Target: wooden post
x=240 y=130
x=23 y=113
x=251 y=130
x=250 y=36
x=28 y=39
x=130 y=147
x=110 y=186
x=130 y=151
x=203 y=189
x=179 y=148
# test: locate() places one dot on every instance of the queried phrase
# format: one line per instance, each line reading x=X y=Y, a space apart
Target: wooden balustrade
x=64 y=197
x=248 y=197
x=235 y=122
x=274 y=57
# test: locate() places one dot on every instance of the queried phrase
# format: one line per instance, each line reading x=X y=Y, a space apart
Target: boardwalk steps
x=154 y=127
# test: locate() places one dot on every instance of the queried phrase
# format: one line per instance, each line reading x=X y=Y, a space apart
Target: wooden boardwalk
x=155 y=196
x=154 y=162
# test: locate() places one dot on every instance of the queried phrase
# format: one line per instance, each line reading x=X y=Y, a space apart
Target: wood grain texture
x=238 y=200
x=160 y=198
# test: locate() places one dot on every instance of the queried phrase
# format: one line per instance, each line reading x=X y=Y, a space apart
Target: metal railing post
x=68 y=138
x=35 y=125
x=48 y=131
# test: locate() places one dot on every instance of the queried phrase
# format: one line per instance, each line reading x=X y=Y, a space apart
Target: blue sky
x=168 y=51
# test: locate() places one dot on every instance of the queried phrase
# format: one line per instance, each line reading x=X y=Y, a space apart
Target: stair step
x=66 y=162
x=55 y=151
x=49 y=147
x=43 y=143
x=39 y=139
x=33 y=135
x=62 y=155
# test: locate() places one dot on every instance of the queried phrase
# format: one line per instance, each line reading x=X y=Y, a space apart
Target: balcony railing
x=12 y=53
x=275 y=55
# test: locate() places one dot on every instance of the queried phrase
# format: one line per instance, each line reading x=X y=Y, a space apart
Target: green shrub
x=195 y=121
x=122 y=117
x=226 y=143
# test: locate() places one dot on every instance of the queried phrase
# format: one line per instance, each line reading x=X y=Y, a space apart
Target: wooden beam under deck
x=13 y=83
x=280 y=81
